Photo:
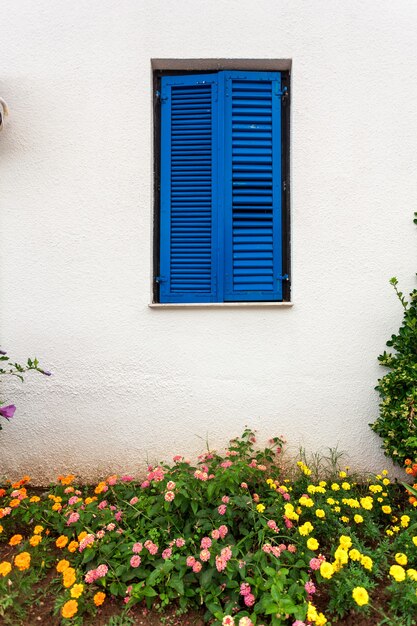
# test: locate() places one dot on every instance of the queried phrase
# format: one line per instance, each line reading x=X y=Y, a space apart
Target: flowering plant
x=239 y=535
x=8 y=368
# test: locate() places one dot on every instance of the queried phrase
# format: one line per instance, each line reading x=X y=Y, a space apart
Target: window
x=222 y=223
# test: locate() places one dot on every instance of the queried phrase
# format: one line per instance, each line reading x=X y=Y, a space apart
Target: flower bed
x=233 y=536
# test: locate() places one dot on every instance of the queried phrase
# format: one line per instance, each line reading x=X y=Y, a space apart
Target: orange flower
x=38 y=529
x=15 y=540
x=35 y=540
x=407 y=462
x=408 y=470
x=62 y=565
x=99 y=598
x=82 y=535
x=2 y=492
x=14 y=503
x=69 y=609
x=66 y=480
x=61 y=542
x=22 y=561
x=1 y=528
x=68 y=577
x=72 y=546
x=34 y=499
x=100 y=488
x=56 y=507
x=5 y=568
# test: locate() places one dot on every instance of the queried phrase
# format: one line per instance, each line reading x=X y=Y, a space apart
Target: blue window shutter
x=253 y=195
x=189 y=189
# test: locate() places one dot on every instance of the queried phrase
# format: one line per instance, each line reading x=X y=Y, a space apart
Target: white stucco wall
x=131 y=383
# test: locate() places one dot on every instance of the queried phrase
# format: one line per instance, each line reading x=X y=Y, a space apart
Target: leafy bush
x=232 y=535
x=397 y=421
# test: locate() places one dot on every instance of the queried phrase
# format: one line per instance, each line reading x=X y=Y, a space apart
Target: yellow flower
x=34 y=499
x=386 y=481
x=68 y=577
x=306 y=501
x=69 y=609
x=15 y=540
x=335 y=487
x=387 y=509
x=412 y=573
x=342 y=474
x=346 y=486
x=326 y=570
x=345 y=541
x=35 y=540
x=320 y=513
x=321 y=620
x=354 y=554
x=72 y=546
x=82 y=535
x=405 y=520
x=5 y=568
x=397 y=572
x=22 y=561
x=331 y=501
x=389 y=532
x=375 y=488
x=260 y=508
x=345 y=519
x=312 y=544
x=337 y=509
x=366 y=562
x=305 y=529
x=360 y=595
x=367 y=503
x=401 y=558
x=341 y=556
x=37 y=530
x=358 y=519
x=77 y=590
x=57 y=507
x=311 y=613
x=415 y=541
x=99 y=598
x=62 y=565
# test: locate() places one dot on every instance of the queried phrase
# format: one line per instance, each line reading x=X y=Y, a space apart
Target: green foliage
x=397 y=421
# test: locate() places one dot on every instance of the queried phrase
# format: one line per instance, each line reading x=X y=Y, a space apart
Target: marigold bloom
x=22 y=561
x=61 y=542
x=72 y=546
x=62 y=565
x=401 y=558
x=397 y=572
x=69 y=609
x=15 y=540
x=312 y=544
x=35 y=540
x=14 y=503
x=326 y=570
x=259 y=507
x=68 y=577
x=38 y=529
x=366 y=562
x=99 y=598
x=5 y=568
x=35 y=499
x=77 y=590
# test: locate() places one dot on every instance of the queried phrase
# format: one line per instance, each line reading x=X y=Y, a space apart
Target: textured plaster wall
x=131 y=383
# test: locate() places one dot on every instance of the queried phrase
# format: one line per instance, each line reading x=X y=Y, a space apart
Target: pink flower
x=249 y=599
x=226 y=464
x=170 y=485
x=200 y=475
x=111 y=526
x=215 y=534
x=90 y=576
x=100 y=534
x=288 y=522
x=190 y=561
x=151 y=547
x=222 y=509
x=166 y=554
x=112 y=480
x=310 y=587
x=145 y=484
x=223 y=530
x=225 y=499
x=262 y=468
x=7 y=411
x=315 y=563
x=244 y=485
x=220 y=563
x=298 y=623
x=134 y=500
x=88 y=540
x=226 y=553
x=118 y=516
x=272 y=525
x=267 y=548
x=73 y=518
x=135 y=560
x=127 y=478
x=137 y=547
x=73 y=500
x=205 y=555
x=242 y=564
x=244 y=589
x=228 y=620
x=292 y=548
x=177 y=458
x=197 y=567
x=101 y=571
x=276 y=551
x=169 y=496
x=253 y=463
x=286 y=496
x=205 y=542
x=180 y=542
x=102 y=505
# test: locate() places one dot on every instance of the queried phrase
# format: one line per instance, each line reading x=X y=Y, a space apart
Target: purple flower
x=45 y=373
x=7 y=411
x=2 y=352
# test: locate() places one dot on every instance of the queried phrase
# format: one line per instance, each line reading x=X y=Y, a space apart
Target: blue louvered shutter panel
x=189 y=188
x=253 y=194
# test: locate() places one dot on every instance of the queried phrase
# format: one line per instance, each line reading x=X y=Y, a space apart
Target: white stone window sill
x=220 y=305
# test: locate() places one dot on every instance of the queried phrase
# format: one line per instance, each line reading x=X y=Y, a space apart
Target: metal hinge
x=283 y=277
x=284 y=185
x=283 y=94
x=160 y=279
x=158 y=97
